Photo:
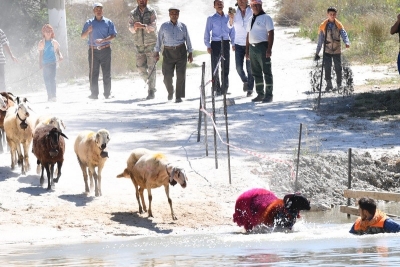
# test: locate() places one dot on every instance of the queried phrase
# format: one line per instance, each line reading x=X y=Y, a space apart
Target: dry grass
x=367 y=23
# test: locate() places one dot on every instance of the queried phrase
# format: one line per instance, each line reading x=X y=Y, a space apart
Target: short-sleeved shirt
x=3 y=41
x=101 y=29
x=261 y=26
x=173 y=35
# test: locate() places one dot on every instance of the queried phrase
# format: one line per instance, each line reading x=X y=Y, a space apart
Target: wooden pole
x=213 y=110
x=296 y=187
x=322 y=69
x=349 y=177
x=225 y=110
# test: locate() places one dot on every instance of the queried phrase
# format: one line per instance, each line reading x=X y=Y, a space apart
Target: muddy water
x=318 y=239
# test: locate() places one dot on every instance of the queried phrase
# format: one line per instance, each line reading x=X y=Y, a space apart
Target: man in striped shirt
x=174 y=36
x=4 y=43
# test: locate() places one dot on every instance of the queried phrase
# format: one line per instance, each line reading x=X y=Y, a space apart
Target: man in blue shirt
x=173 y=35
x=217 y=30
x=100 y=31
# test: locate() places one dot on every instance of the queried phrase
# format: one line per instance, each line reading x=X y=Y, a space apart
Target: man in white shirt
x=239 y=21
x=260 y=39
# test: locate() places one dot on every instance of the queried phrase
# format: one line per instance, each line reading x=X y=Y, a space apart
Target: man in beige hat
x=174 y=36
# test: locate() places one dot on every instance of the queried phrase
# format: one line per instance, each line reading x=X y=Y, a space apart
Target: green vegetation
x=367 y=23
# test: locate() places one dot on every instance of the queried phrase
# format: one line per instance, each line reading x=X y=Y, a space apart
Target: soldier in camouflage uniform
x=142 y=24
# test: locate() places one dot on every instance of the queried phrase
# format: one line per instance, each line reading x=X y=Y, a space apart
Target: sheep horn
x=63 y=135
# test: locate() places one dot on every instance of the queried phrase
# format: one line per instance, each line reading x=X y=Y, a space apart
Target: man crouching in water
x=372 y=220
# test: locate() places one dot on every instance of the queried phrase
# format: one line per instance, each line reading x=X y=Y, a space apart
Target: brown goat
x=151 y=171
x=135 y=155
x=49 y=148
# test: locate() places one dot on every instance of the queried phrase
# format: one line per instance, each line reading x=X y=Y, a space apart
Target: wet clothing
x=217 y=30
x=176 y=42
x=334 y=31
x=240 y=24
x=258 y=29
x=99 y=55
x=3 y=41
x=379 y=223
x=144 y=42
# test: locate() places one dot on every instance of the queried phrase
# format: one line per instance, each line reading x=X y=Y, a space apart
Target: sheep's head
x=54 y=138
x=102 y=139
x=178 y=175
x=57 y=122
x=296 y=202
x=287 y=217
x=22 y=114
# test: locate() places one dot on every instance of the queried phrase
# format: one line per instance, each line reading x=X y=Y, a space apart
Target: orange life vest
x=373 y=226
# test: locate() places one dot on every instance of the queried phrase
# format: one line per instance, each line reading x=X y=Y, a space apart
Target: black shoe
x=93 y=97
x=150 y=95
x=249 y=93
x=268 y=99
x=258 y=98
x=178 y=100
x=170 y=96
x=245 y=86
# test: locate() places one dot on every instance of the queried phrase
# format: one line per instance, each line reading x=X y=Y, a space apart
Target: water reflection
x=334 y=248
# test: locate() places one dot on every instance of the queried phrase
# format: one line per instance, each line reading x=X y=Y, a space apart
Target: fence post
x=298 y=159
x=349 y=178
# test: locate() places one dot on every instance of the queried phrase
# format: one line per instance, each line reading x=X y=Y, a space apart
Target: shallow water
x=318 y=239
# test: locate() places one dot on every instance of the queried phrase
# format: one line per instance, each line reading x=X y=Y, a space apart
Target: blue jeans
x=49 y=76
x=240 y=56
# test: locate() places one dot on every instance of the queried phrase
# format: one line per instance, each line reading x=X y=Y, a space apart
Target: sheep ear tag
x=104 y=154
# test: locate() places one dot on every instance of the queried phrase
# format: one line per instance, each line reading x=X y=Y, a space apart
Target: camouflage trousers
x=145 y=62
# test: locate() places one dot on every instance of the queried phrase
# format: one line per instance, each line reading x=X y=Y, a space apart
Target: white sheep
x=18 y=130
x=90 y=150
x=153 y=170
x=135 y=155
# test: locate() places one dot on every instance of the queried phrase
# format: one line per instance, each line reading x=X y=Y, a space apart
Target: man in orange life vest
x=372 y=220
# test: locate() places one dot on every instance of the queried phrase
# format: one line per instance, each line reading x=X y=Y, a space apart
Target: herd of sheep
x=147 y=169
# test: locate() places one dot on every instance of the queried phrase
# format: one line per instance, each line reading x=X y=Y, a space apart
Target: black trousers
x=175 y=59
x=101 y=58
x=215 y=55
x=337 y=61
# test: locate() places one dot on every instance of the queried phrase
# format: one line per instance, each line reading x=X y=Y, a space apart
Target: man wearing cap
x=173 y=35
x=101 y=31
x=4 y=43
x=217 y=31
x=142 y=24
x=239 y=20
x=260 y=39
